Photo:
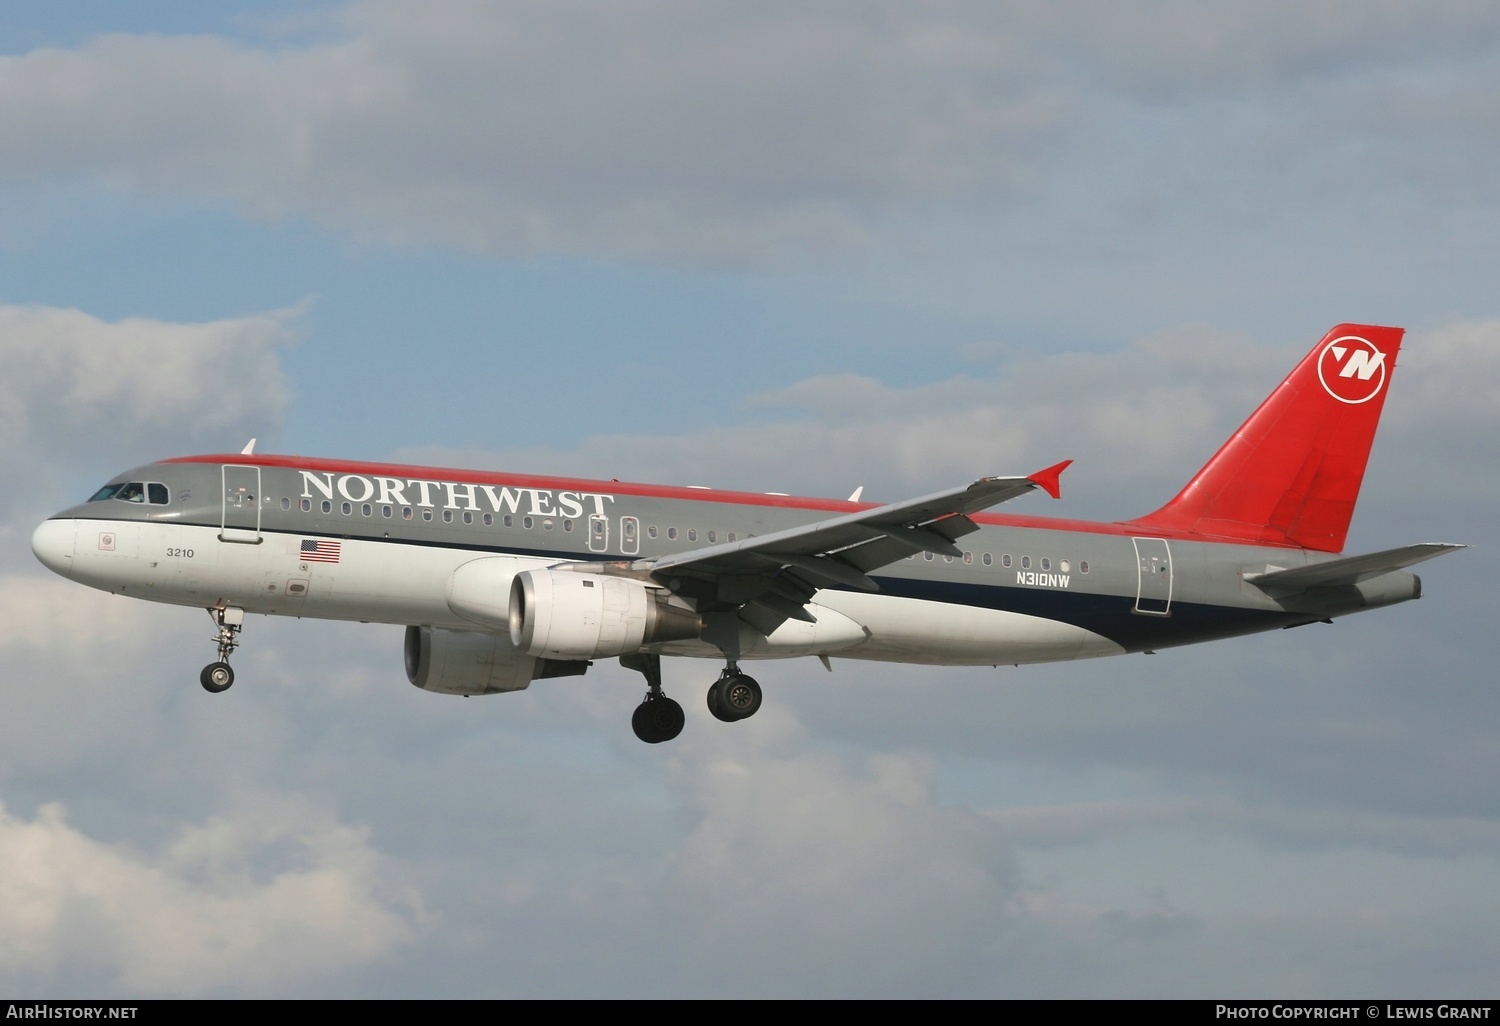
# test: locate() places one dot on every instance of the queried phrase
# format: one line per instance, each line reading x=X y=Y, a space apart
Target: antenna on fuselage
x=249 y=449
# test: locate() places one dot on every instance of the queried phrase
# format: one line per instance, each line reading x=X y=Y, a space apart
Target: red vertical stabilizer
x=1291 y=474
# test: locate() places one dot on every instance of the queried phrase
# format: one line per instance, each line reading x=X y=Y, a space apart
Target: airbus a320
x=502 y=579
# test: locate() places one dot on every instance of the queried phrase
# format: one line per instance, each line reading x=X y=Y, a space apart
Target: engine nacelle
x=565 y=615
x=467 y=662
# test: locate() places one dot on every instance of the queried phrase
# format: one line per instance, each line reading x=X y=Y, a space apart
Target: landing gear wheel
x=716 y=703
x=657 y=719
x=739 y=697
x=216 y=677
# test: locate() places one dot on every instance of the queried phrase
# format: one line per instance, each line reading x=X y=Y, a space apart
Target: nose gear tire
x=216 y=677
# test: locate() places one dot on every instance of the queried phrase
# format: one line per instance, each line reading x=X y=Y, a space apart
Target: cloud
x=77 y=391
x=672 y=131
x=274 y=894
x=658 y=130
x=893 y=889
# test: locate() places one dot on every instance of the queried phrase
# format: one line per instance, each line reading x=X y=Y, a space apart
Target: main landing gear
x=217 y=677
x=657 y=718
x=734 y=696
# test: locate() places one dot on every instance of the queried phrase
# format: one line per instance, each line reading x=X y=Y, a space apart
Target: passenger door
x=242 y=502
x=1153 y=595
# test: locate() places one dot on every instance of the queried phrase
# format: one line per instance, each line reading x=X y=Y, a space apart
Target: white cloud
x=78 y=391
x=670 y=130
x=1449 y=377
x=70 y=376
x=275 y=894
x=661 y=129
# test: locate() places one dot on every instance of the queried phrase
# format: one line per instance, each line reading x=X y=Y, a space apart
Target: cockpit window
x=135 y=491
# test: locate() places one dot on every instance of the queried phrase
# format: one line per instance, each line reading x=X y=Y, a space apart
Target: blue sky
x=800 y=247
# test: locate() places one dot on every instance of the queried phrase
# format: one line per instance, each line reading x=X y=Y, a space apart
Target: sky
x=801 y=247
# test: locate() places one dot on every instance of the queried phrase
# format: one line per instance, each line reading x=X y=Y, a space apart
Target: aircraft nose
x=53 y=544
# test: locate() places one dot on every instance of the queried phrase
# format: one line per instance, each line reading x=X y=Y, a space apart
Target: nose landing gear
x=217 y=677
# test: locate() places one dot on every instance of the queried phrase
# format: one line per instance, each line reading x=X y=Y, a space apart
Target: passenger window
x=427 y=515
x=347 y=509
x=366 y=510
x=509 y=520
x=526 y=522
x=447 y=516
x=567 y=525
x=159 y=496
x=969 y=558
x=651 y=531
x=712 y=537
x=731 y=536
x=1063 y=565
x=1046 y=563
x=1005 y=560
x=468 y=517
x=671 y=534
x=927 y=556
x=988 y=560
x=306 y=505
x=385 y=511
x=546 y=523
x=692 y=534
x=285 y=502
x=489 y=520
x=1083 y=566
x=405 y=512
x=1025 y=562
x=327 y=506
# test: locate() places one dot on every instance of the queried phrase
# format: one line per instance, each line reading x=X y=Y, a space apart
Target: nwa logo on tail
x=1351 y=369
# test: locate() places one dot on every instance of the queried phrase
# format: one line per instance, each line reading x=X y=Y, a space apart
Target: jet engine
x=472 y=663
x=568 y=615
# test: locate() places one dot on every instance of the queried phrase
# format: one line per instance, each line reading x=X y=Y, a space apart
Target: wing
x=770 y=578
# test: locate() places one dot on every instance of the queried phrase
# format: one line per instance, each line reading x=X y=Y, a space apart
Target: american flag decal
x=320 y=551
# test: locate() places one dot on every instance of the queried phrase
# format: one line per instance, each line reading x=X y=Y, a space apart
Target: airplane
x=502 y=579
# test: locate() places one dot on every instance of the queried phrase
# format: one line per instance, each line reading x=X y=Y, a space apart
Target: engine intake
x=567 y=615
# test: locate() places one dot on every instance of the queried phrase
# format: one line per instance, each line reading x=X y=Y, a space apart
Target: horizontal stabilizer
x=1352 y=569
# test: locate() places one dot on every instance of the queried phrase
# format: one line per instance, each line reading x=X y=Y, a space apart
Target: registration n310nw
x=502 y=579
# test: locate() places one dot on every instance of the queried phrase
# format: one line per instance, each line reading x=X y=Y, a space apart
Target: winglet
x=1047 y=480
x=249 y=449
